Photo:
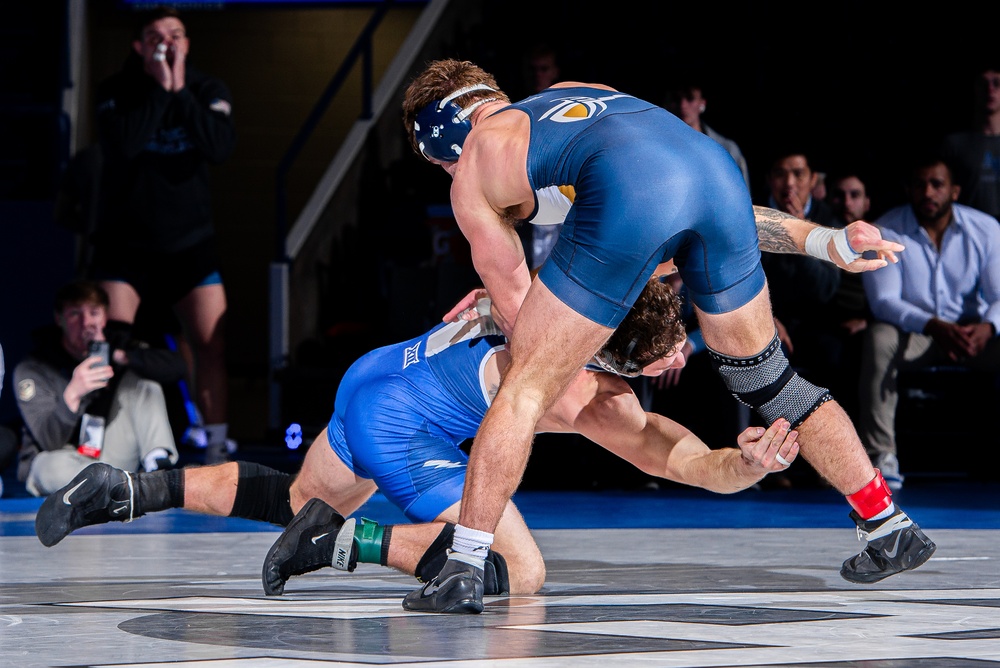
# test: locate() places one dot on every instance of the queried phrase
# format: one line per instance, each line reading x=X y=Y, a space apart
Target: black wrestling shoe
x=99 y=493
x=457 y=589
x=895 y=544
x=306 y=545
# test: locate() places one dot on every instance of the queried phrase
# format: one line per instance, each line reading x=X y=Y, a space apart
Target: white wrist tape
x=819 y=238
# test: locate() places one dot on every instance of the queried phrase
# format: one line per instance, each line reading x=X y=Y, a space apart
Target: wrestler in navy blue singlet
x=401 y=412
x=646 y=188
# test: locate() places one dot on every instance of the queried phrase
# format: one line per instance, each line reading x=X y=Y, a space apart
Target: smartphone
x=101 y=349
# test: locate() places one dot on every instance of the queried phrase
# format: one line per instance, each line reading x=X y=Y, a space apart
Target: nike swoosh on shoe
x=433 y=586
x=70 y=492
x=895 y=548
x=315 y=539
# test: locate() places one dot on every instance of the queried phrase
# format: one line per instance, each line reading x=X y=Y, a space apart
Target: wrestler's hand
x=863 y=237
x=761 y=448
x=465 y=309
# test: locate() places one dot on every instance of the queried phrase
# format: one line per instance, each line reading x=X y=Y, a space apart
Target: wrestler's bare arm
x=780 y=232
x=604 y=409
x=481 y=201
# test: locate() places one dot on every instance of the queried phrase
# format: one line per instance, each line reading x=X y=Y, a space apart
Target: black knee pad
x=263 y=494
x=766 y=383
x=496 y=579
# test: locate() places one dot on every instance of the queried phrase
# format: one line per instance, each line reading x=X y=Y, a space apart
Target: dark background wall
x=856 y=80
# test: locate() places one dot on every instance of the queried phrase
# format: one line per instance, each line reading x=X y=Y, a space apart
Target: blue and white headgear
x=441 y=127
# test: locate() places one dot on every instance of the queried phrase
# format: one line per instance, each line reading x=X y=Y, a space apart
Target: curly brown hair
x=654 y=324
x=438 y=80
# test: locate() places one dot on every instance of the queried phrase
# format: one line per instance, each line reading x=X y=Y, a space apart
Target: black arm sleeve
x=163 y=366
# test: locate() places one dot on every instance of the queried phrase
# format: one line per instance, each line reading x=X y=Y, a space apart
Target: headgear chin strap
x=626 y=369
x=441 y=127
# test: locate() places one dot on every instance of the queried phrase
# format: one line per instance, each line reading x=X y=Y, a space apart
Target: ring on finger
x=782 y=460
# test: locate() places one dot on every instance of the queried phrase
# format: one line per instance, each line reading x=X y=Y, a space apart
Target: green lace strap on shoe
x=368 y=536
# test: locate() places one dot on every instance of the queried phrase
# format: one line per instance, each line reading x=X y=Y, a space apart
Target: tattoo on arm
x=771 y=233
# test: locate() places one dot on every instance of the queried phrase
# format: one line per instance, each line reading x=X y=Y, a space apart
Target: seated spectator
x=78 y=408
x=816 y=311
x=848 y=198
x=941 y=305
x=819 y=190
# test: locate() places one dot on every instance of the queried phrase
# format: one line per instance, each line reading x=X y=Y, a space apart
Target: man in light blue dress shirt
x=940 y=305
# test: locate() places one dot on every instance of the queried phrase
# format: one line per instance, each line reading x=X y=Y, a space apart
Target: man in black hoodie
x=162 y=124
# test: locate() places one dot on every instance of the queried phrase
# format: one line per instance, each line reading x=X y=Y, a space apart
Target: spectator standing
x=939 y=306
x=79 y=408
x=162 y=124
x=975 y=154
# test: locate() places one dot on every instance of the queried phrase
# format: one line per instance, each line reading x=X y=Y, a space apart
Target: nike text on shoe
x=99 y=493
x=345 y=550
x=457 y=589
x=895 y=544
x=307 y=544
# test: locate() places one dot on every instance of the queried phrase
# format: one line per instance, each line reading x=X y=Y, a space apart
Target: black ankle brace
x=263 y=494
x=435 y=555
x=159 y=490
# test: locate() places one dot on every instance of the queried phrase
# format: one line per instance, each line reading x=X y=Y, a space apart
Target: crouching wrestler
x=400 y=415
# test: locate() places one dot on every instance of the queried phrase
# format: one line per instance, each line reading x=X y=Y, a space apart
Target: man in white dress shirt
x=941 y=305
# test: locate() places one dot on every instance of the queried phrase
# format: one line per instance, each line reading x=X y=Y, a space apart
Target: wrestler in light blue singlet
x=401 y=412
x=644 y=187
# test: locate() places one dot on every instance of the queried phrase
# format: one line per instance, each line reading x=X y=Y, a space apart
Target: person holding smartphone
x=85 y=398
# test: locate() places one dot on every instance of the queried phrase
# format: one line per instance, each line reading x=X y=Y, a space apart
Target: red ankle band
x=871 y=499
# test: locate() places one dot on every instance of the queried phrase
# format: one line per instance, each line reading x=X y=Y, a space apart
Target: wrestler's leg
x=550 y=344
x=324 y=476
x=827 y=437
x=244 y=489
x=513 y=540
